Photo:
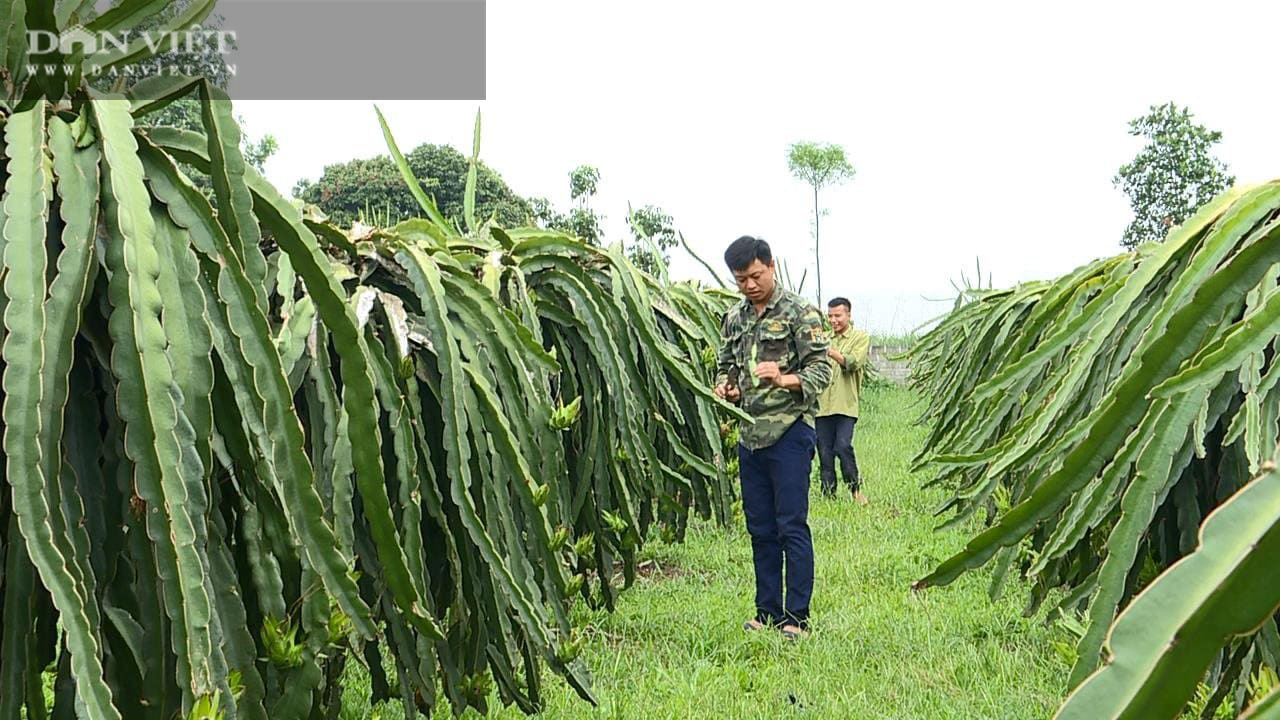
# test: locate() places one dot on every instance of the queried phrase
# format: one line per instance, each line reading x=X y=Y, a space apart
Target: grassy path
x=675 y=647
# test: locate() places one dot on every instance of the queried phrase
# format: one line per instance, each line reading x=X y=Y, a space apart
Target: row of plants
x=244 y=447
x=1115 y=432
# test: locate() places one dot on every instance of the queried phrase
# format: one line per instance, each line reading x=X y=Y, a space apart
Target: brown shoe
x=860 y=498
x=793 y=632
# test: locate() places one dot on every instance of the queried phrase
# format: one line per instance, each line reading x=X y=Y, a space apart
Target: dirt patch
x=657 y=570
x=650 y=569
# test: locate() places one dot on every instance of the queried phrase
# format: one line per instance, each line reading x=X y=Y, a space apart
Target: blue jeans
x=775 y=501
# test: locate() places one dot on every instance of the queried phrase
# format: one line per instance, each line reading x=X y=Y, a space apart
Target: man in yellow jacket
x=838 y=404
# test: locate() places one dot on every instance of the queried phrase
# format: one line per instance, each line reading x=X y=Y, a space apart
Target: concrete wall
x=893 y=370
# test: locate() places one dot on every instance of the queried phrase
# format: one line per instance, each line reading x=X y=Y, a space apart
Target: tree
x=543 y=213
x=581 y=221
x=582 y=183
x=650 y=224
x=348 y=191
x=819 y=165
x=584 y=223
x=1172 y=176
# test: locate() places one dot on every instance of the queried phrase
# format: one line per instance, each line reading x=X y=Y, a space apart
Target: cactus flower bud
x=574 y=585
x=559 y=539
x=584 y=545
x=563 y=417
x=540 y=495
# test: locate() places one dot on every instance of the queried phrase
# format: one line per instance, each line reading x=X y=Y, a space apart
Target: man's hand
x=836 y=355
x=726 y=393
x=769 y=372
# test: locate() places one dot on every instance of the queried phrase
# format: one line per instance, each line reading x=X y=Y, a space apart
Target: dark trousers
x=775 y=500
x=835 y=439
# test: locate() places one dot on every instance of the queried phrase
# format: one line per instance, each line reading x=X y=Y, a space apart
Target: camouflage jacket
x=789 y=332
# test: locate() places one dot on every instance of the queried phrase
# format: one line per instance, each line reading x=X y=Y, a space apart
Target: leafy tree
x=582 y=183
x=584 y=223
x=581 y=220
x=657 y=226
x=820 y=165
x=544 y=214
x=648 y=224
x=256 y=153
x=346 y=191
x=1172 y=176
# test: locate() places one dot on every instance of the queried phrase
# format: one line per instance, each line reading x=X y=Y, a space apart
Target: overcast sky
x=980 y=129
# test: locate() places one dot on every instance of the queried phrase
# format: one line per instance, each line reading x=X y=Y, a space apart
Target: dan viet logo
x=185 y=48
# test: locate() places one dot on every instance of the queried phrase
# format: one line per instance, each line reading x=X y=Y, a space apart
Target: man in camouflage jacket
x=773 y=361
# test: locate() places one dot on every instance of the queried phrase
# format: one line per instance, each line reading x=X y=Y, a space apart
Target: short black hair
x=837 y=301
x=746 y=250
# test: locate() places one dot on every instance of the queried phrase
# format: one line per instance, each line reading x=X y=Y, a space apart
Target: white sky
x=977 y=129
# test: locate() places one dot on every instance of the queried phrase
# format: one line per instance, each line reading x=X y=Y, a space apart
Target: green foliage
x=819 y=165
x=563 y=417
x=281 y=643
x=347 y=190
x=895 y=340
x=185 y=113
x=1173 y=174
x=583 y=181
x=581 y=221
x=897 y=655
x=1117 y=408
x=653 y=233
x=244 y=448
x=206 y=61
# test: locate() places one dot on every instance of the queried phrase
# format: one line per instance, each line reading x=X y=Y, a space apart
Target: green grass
x=906 y=339
x=675 y=648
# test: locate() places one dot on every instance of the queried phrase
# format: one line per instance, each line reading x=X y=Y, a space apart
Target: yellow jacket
x=841 y=396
